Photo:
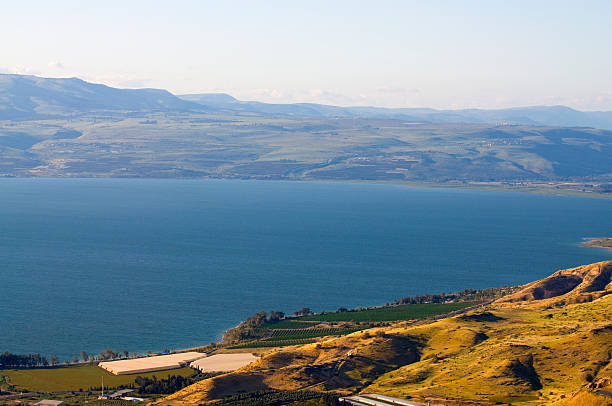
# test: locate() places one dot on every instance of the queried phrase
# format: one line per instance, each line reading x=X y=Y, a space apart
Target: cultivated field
x=76 y=378
x=150 y=364
x=306 y=329
x=391 y=313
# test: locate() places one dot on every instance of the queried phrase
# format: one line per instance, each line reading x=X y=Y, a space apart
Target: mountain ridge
x=72 y=128
x=29 y=97
x=553 y=115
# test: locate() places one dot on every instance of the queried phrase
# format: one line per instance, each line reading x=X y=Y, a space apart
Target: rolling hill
x=71 y=128
x=29 y=97
x=548 y=343
x=533 y=115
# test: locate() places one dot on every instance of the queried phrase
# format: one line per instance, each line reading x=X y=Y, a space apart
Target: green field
x=287 y=334
x=74 y=378
x=273 y=343
x=289 y=324
x=302 y=330
x=390 y=313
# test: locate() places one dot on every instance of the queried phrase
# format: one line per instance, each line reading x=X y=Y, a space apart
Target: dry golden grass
x=583 y=398
x=515 y=351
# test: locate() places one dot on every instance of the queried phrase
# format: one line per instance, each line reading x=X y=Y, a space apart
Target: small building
x=133 y=399
x=49 y=402
x=120 y=393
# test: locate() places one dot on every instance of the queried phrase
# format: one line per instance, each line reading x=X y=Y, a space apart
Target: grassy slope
x=520 y=352
x=75 y=378
x=205 y=145
x=528 y=356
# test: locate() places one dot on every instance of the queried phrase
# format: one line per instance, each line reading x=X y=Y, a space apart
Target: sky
x=440 y=54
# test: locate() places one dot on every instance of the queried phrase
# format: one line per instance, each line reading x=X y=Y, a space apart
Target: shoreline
x=213 y=346
x=598 y=242
x=541 y=188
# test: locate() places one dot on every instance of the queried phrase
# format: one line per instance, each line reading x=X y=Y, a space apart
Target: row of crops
x=281 y=338
x=274 y=343
x=308 y=333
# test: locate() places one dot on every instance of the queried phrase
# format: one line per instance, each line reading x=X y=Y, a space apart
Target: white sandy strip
x=150 y=364
x=223 y=362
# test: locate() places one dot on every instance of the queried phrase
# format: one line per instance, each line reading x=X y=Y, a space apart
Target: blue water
x=87 y=264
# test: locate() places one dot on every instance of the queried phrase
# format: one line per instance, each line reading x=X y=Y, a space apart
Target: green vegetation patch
x=390 y=313
x=309 y=333
x=279 y=398
x=599 y=242
x=74 y=378
x=260 y=331
x=289 y=324
x=273 y=343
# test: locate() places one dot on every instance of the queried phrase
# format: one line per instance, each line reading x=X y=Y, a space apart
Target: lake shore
x=600 y=242
x=545 y=187
x=301 y=244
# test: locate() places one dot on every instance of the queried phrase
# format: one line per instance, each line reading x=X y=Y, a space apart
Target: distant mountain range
x=535 y=115
x=31 y=97
x=28 y=97
x=72 y=128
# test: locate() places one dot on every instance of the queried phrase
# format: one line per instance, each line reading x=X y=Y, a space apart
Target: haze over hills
x=27 y=97
x=534 y=115
x=72 y=128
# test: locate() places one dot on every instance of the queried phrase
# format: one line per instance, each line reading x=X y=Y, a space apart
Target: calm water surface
x=87 y=264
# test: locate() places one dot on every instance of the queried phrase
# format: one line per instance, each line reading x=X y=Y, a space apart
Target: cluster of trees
x=170 y=384
x=105 y=355
x=8 y=360
x=305 y=311
x=110 y=354
x=467 y=295
x=279 y=398
x=440 y=298
x=250 y=327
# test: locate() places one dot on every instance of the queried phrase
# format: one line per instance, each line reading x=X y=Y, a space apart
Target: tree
x=109 y=354
x=247 y=329
x=84 y=356
x=126 y=353
x=22 y=361
x=257 y=319
x=276 y=315
x=304 y=311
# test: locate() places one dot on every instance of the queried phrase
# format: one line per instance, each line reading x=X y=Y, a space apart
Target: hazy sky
x=443 y=54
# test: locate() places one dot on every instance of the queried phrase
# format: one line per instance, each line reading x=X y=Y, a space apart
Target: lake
x=87 y=264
